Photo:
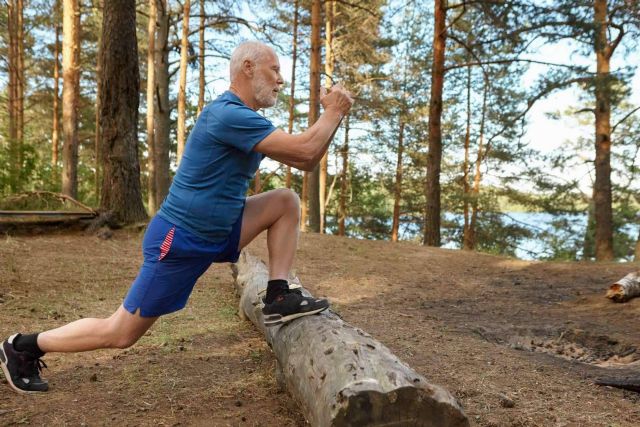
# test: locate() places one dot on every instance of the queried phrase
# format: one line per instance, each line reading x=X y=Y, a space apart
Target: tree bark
x=636 y=255
x=397 y=192
x=626 y=288
x=70 y=94
x=292 y=97
x=55 y=128
x=162 y=109
x=304 y=202
x=602 y=185
x=98 y=135
x=344 y=181
x=121 y=193
x=314 y=112
x=152 y=202
x=477 y=178
x=329 y=10
x=201 y=49
x=467 y=243
x=12 y=102
x=434 y=155
x=340 y=374
x=20 y=80
x=182 y=101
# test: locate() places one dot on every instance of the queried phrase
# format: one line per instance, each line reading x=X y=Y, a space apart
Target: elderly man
x=206 y=218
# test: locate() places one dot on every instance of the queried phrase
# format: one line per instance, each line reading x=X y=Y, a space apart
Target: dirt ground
x=519 y=343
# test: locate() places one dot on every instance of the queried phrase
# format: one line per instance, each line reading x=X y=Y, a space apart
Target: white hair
x=253 y=51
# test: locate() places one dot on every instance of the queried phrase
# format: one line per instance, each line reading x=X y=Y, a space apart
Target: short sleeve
x=238 y=126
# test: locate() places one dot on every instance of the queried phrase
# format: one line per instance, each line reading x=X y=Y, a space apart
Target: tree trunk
x=636 y=255
x=201 y=49
x=162 y=109
x=98 y=135
x=434 y=156
x=329 y=10
x=182 y=101
x=292 y=97
x=121 y=193
x=152 y=202
x=397 y=193
x=344 y=181
x=12 y=102
x=313 y=182
x=602 y=185
x=70 y=94
x=304 y=202
x=340 y=374
x=467 y=242
x=477 y=178
x=55 y=131
x=20 y=80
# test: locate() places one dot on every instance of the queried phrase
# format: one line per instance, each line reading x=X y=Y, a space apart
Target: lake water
x=567 y=230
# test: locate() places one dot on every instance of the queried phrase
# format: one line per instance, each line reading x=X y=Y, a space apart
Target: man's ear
x=247 y=68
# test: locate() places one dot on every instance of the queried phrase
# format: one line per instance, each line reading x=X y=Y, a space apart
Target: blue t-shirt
x=208 y=192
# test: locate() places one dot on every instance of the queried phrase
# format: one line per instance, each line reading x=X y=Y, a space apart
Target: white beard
x=264 y=94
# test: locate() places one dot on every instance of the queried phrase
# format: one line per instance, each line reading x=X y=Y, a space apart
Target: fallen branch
x=341 y=375
x=626 y=288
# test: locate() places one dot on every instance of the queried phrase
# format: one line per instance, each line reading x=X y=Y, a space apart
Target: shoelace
x=35 y=368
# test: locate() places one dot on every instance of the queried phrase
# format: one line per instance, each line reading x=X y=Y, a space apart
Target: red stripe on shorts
x=166 y=245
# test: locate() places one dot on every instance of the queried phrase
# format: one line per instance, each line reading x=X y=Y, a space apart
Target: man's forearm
x=322 y=133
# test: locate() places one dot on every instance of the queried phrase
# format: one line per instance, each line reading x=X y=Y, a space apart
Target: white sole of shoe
x=277 y=319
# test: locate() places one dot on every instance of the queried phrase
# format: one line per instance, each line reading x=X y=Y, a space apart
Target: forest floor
x=518 y=343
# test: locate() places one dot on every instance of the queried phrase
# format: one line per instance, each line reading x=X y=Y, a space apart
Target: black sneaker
x=21 y=368
x=290 y=305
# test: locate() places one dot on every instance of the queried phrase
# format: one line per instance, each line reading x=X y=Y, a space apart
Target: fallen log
x=339 y=374
x=632 y=384
x=626 y=288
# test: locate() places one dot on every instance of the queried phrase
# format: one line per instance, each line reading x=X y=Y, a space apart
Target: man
x=206 y=218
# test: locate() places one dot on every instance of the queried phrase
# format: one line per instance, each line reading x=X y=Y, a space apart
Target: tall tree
x=292 y=96
x=98 y=135
x=121 y=192
x=70 y=95
x=13 y=104
x=602 y=187
x=182 y=98
x=344 y=180
x=329 y=11
x=313 y=182
x=434 y=155
x=151 y=85
x=55 y=131
x=201 y=50
x=162 y=107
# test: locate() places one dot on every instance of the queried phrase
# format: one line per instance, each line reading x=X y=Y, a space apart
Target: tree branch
x=613 y=128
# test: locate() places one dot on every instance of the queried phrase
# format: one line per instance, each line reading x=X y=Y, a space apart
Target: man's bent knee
x=289 y=199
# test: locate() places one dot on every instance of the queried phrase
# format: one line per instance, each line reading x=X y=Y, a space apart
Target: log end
x=616 y=293
x=404 y=406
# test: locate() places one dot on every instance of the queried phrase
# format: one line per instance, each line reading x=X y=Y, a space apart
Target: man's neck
x=243 y=97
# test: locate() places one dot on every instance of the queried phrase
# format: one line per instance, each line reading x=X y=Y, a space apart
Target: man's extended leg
x=121 y=330
x=20 y=355
x=278 y=211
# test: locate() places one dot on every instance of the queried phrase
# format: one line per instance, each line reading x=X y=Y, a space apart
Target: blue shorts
x=174 y=259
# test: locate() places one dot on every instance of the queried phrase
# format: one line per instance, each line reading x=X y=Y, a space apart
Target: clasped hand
x=336 y=97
